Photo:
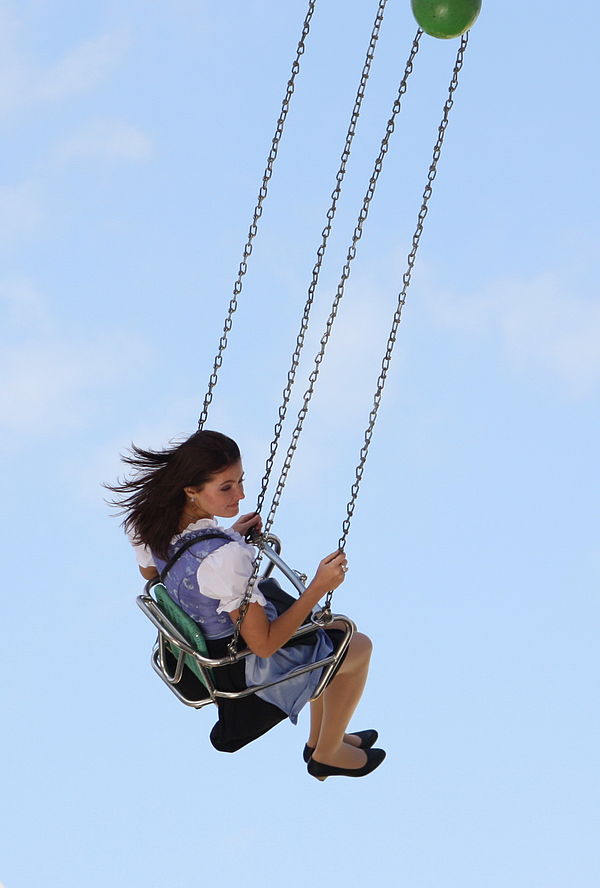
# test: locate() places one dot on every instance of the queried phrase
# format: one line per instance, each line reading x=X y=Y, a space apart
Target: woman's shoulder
x=206 y=527
x=215 y=539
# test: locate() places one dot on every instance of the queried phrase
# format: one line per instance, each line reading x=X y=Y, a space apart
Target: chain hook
x=324 y=616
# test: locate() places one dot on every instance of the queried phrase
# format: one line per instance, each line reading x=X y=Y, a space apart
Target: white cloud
x=83 y=67
x=538 y=322
x=108 y=140
x=15 y=72
x=25 y=83
x=20 y=210
x=50 y=379
x=344 y=391
x=22 y=306
x=343 y=397
x=52 y=383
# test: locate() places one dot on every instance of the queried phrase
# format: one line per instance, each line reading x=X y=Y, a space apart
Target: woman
x=173 y=498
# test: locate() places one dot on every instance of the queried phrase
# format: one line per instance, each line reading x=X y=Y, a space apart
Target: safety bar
x=167 y=632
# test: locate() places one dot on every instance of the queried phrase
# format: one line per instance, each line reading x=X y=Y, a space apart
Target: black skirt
x=240 y=721
x=244 y=720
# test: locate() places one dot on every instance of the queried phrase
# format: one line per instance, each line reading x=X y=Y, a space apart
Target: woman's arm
x=264 y=638
x=148 y=573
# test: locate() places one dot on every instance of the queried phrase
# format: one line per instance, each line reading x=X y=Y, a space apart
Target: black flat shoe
x=367 y=739
x=322 y=772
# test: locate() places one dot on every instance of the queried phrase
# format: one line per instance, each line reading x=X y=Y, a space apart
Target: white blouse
x=223 y=574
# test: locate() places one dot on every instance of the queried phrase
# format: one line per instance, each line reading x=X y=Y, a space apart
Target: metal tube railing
x=168 y=633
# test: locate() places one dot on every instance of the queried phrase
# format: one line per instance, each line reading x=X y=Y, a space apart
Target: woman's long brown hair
x=153 y=500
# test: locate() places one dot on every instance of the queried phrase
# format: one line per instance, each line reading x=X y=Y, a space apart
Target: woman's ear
x=190 y=492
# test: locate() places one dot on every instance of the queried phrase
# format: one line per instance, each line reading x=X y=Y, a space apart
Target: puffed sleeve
x=224 y=575
x=142 y=553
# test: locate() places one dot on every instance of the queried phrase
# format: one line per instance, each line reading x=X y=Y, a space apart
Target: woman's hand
x=331 y=572
x=264 y=638
x=248 y=522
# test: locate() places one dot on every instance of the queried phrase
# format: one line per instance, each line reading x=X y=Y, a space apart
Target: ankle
x=324 y=750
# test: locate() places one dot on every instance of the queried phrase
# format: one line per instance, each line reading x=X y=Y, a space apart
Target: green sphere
x=445 y=18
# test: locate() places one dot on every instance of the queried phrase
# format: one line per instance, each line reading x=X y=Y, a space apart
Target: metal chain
x=262 y=194
x=351 y=255
x=300 y=338
x=406 y=279
x=352 y=250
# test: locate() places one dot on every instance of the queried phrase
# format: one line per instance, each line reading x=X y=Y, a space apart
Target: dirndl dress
x=243 y=720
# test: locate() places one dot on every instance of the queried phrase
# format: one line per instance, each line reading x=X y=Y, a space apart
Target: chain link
x=300 y=338
x=352 y=250
x=406 y=279
x=262 y=194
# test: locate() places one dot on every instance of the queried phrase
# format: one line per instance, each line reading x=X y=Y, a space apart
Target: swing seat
x=180 y=655
x=185 y=670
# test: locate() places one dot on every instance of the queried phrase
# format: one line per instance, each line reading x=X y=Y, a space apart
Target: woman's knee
x=359 y=650
x=363 y=644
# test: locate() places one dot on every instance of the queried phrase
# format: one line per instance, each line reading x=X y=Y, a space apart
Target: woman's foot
x=370 y=758
x=360 y=740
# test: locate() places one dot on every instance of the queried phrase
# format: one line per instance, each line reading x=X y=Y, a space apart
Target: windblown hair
x=153 y=500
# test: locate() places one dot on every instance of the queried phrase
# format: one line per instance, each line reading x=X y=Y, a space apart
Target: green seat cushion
x=188 y=628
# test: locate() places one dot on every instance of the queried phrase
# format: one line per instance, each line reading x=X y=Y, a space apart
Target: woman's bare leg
x=339 y=700
x=316 y=713
x=316 y=718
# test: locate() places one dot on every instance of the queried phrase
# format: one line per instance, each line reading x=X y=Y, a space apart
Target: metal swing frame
x=169 y=634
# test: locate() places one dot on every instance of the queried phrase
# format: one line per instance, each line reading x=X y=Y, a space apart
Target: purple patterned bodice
x=181 y=583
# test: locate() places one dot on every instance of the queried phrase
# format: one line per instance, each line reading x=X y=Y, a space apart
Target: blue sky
x=134 y=136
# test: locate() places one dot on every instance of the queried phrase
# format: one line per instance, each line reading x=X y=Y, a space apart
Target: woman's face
x=221 y=495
